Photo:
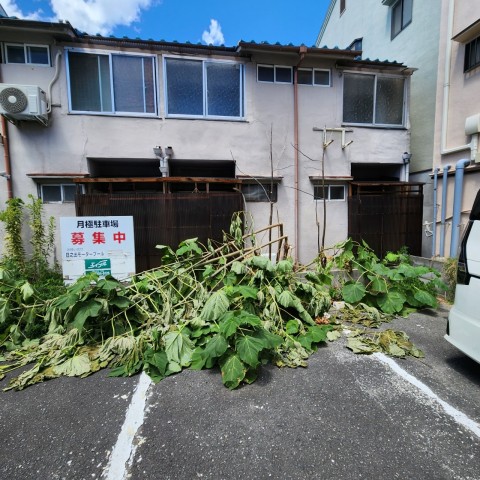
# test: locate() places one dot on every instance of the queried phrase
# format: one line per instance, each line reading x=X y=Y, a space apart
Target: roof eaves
x=58 y=29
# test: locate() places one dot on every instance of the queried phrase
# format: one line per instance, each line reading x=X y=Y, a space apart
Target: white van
x=463 y=327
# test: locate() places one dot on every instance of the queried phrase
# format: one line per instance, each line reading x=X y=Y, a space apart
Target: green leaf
x=120 y=302
x=65 y=301
x=27 y=291
x=229 y=324
x=4 y=310
x=74 y=367
x=425 y=298
x=245 y=291
x=284 y=266
x=238 y=267
x=206 y=357
x=391 y=302
x=269 y=339
x=353 y=292
x=291 y=327
x=233 y=371
x=91 y=308
x=158 y=359
x=179 y=348
x=248 y=348
x=333 y=335
x=215 y=306
x=378 y=284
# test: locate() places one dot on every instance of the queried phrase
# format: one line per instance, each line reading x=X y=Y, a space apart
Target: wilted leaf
x=215 y=306
x=74 y=367
x=333 y=335
x=27 y=291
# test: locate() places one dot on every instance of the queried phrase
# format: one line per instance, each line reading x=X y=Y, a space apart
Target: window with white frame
x=57 y=193
x=260 y=192
x=27 y=54
x=372 y=99
x=401 y=16
x=274 y=74
x=313 y=76
x=329 y=192
x=111 y=83
x=204 y=88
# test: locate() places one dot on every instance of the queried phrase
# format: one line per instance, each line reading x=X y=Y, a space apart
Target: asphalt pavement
x=346 y=416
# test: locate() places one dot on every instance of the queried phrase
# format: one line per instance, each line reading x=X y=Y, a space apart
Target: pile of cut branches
x=225 y=306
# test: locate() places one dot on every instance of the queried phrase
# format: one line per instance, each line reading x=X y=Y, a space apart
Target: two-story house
x=180 y=136
x=440 y=40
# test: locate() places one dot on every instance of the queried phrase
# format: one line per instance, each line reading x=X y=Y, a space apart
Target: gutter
x=6 y=152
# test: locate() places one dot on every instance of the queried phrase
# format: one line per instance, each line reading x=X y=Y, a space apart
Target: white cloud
x=214 y=35
x=99 y=16
x=91 y=16
x=13 y=10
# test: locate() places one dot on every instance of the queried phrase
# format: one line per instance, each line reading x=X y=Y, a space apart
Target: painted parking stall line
x=124 y=450
x=457 y=415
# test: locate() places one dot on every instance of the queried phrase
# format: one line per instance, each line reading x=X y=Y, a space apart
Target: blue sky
x=208 y=21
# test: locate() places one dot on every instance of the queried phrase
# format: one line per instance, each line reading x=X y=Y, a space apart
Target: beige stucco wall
x=70 y=139
x=456 y=99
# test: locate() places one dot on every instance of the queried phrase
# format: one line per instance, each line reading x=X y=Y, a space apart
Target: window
x=401 y=16
x=64 y=193
x=333 y=193
x=255 y=192
x=201 y=88
x=373 y=99
x=309 y=76
x=342 y=6
x=274 y=74
x=472 y=55
x=111 y=83
x=27 y=54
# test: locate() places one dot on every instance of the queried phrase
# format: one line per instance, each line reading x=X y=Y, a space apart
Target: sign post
x=103 y=245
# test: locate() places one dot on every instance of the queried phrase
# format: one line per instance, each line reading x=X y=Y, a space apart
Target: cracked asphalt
x=346 y=416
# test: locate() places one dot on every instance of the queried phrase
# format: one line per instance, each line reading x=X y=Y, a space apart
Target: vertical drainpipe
x=6 y=152
x=302 y=51
x=434 y=222
x=457 y=205
x=444 y=209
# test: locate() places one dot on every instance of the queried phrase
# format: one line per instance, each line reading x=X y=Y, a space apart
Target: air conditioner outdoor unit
x=23 y=102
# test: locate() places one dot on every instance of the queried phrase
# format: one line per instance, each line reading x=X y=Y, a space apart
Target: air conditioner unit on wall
x=23 y=102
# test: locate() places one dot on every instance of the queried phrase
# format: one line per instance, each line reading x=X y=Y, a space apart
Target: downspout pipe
x=457 y=205
x=6 y=153
x=435 y=211
x=443 y=216
x=302 y=51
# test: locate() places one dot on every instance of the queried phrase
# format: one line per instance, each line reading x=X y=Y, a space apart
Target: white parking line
x=124 y=450
x=457 y=415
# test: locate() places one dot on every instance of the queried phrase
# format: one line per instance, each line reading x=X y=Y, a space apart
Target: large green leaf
x=215 y=306
x=425 y=298
x=179 y=348
x=90 y=308
x=207 y=356
x=353 y=292
x=248 y=348
x=27 y=291
x=269 y=339
x=377 y=284
x=391 y=302
x=233 y=371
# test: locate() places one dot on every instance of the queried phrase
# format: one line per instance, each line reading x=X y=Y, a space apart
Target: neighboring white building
x=227 y=118
x=432 y=37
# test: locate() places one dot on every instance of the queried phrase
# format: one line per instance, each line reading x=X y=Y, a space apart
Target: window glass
x=407 y=12
x=266 y=73
x=332 y=192
x=90 y=89
x=15 y=54
x=51 y=193
x=322 y=77
x=69 y=193
x=223 y=87
x=304 y=77
x=185 y=87
x=358 y=98
x=130 y=91
x=94 y=77
x=38 y=55
x=401 y=16
x=255 y=192
x=337 y=192
x=283 y=74
x=389 y=101
x=472 y=54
